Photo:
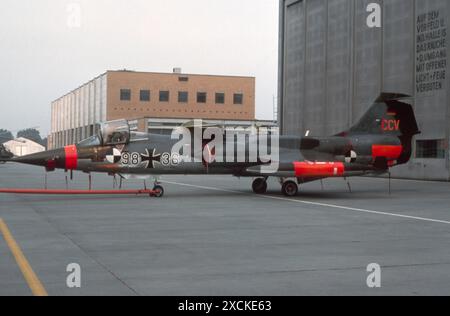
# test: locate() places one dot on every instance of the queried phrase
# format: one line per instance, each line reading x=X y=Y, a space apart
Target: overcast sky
x=45 y=55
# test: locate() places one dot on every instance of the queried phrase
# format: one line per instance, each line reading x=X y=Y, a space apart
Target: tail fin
x=391 y=117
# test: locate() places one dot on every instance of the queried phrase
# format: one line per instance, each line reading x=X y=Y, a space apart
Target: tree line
x=28 y=133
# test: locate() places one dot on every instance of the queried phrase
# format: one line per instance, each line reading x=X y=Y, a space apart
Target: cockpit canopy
x=114 y=133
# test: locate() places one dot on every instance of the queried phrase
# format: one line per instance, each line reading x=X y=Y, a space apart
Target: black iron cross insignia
x=150 y=159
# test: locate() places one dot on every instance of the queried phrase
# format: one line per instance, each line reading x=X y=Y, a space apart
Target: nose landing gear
x=259 y=186
x=158 y=191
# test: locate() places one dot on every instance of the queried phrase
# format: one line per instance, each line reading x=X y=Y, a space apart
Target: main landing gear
x=288 y=187
x=259 y=186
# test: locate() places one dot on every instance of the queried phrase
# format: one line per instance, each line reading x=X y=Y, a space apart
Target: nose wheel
x=158 y=191
x=259 y=186
x=289 y=188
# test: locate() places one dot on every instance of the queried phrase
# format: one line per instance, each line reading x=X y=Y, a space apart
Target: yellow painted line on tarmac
x=33 y=281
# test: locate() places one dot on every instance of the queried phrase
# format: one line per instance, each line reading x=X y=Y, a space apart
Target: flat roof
x=179 y=74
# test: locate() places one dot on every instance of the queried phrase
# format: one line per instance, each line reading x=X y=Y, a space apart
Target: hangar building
x=23 y=146
x=333 y=66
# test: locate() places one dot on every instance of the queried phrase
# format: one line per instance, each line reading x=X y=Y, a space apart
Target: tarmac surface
x=212 y=236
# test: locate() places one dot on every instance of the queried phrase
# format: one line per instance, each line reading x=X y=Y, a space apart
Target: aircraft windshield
x=90 y=142
x=115 y=133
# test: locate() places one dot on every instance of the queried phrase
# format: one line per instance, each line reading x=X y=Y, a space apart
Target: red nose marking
x=319 y=169
x=71 y=157
x=389 y=152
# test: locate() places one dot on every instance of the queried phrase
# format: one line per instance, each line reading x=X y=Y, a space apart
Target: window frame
x=149 y=96
x=163 y=92
x=200 y=95
x=222 y=97
x=124 y=92
x=430 y=149
x=235 y=100
x=180 y=93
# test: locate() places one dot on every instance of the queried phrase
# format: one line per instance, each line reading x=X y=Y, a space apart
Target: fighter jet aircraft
x=4 y=154
x=380 y=140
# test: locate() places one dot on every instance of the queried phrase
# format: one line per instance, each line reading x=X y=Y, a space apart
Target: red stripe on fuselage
x=389 y=152
x=71 y=157
x=319 y=169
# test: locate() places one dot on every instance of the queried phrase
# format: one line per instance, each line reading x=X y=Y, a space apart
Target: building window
x=238 y=98
x=183 y=79
x=164 y=96
x=220 y=98
x=145 y=95
x=125 y=95
x=201 y=97
x=183 y=97
x=430 y=149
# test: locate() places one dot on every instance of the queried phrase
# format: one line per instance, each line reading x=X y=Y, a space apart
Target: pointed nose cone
x=49 y=159
x=63 y=158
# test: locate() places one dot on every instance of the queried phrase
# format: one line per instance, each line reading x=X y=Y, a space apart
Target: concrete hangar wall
x=333 y=66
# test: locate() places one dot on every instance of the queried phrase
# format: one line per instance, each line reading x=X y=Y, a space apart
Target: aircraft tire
x=159 y=191
x=259 y=186
x=289 y=188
